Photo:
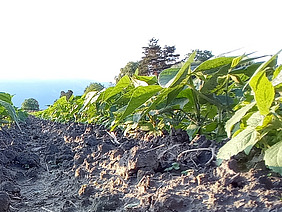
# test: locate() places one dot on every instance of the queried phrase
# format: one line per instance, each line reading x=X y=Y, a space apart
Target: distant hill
x=44 y=91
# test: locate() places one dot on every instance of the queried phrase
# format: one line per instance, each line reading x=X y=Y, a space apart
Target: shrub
x=30 y=105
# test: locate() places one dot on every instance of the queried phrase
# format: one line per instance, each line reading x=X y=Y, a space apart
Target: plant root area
x=53 y=167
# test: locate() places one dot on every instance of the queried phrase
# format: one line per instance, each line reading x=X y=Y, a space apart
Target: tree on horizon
x=156 y=58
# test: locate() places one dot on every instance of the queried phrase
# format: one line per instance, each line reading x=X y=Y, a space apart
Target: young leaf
x=11 y=111
x=264 y=92
x=6 y=97
x=273 y=157
x=236 y=61
x=185 y=69
x=239 y=114
x=214 y=63
x=167 y=76
x=150 y=80
x=123 y=83
x=245 y=140
x=139 y=96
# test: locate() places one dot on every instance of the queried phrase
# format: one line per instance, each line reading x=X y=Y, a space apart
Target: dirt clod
x=5 y=201
x=76 y=167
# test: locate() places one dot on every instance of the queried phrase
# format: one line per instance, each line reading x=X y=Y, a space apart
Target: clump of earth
x=73 y=167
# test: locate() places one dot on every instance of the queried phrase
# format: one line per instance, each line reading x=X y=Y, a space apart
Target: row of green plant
x=233 y=97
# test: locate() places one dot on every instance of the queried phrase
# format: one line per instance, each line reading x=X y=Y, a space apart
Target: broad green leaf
x=173 y=94
x=11 y=111
x=89 y=98
x=273 y=157
x=248 y=71
x=123 y=83
x=211 y=126
x=179 y=102
x=150 y=80
x=244 y=141
x=209 y=85
x=105 y=93
x=236 y=61
x=255 y=120
x=6 y=97
x=160 y=98
x=214 y=63
x=174 y=76
x=239 y=114
x=137 y=83
x=167 y=76
x=277 y=76
x=139 y=96
x=268 y=123
x=185 y=69
x=264 y=92
x=263 y=66
x=276 y=72
x=192 y=130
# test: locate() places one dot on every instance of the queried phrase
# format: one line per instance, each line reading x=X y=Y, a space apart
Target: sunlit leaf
x=214 y=63
x=244 y=141
x=236 y=61
x=167 y=76
x=239 y=114
x=123 y=83
x=264 y=92
x=273 y=157
x=139 y=96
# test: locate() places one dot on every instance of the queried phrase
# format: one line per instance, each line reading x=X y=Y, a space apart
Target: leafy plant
x=174 y=166
x=8 y=113
x=257 y=121
x=63 y=110
x=224 y=96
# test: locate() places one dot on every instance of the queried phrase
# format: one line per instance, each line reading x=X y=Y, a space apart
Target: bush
x=30 y=105
x=94 y=86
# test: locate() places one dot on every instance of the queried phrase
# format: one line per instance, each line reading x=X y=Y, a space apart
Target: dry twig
x=115 y=141
x=46 y=209
x=199 y=149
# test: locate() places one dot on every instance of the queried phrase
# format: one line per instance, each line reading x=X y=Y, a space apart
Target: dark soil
x=74 y=167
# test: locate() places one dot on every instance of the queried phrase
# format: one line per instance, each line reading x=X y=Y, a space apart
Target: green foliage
x=174 y=166
x=211 y=98
x=63 y=110
x=30 y=104
x=94 y=86
x=258 y=118
x=8 y=113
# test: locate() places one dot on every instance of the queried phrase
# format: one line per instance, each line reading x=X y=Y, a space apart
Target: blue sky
x=59 y=39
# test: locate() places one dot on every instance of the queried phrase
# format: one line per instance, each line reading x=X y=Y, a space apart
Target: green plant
x=30 y=104
x=258 y=121
x=63 y=110
x=8 y=113
x=174 y=166
x=220 y=97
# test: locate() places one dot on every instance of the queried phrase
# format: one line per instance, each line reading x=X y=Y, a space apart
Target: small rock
x=5 y=201
x=10 y=187
x=86 y=190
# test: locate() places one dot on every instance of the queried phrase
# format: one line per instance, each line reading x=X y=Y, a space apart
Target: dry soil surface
x=53 y=167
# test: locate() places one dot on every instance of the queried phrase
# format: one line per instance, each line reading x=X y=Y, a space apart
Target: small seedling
x=173 y=166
